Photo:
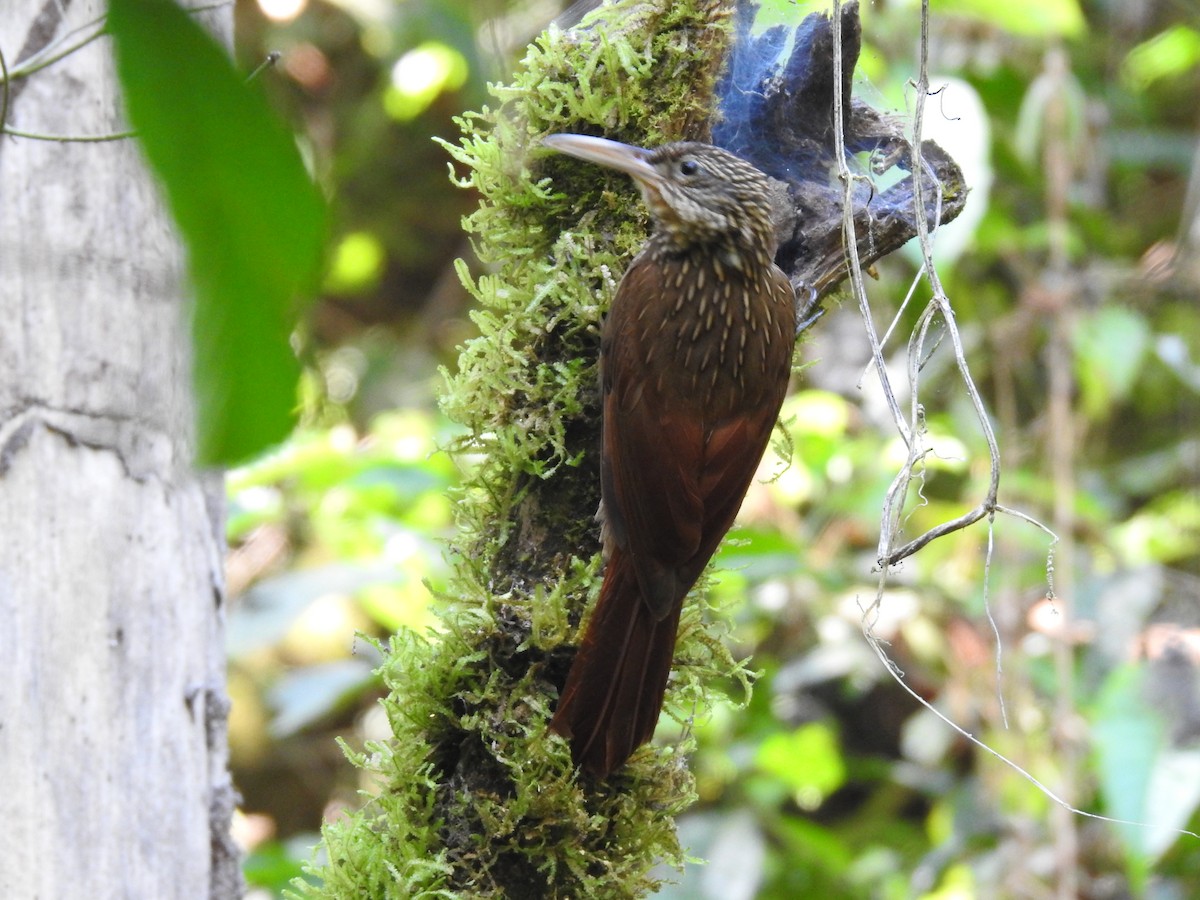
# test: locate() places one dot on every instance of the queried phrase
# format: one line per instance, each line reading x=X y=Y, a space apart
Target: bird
x=695 y=359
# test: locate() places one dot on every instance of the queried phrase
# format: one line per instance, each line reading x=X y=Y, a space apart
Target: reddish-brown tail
x=615 y=688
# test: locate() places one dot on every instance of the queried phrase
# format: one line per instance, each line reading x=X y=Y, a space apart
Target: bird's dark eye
x=689 y=167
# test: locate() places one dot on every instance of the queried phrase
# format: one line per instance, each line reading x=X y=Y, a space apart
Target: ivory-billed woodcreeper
x=695 y=356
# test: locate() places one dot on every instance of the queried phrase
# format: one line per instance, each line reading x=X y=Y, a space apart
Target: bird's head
x=696 y=193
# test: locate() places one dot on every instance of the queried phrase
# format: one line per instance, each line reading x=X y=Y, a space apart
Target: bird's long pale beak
x=625 y=158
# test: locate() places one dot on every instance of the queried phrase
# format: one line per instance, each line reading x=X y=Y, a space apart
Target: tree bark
x=113 y=778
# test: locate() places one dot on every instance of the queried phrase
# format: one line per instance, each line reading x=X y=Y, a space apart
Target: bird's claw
x=808 y=314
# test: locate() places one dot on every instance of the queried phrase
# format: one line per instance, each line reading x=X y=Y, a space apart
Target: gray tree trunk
x=113 y=778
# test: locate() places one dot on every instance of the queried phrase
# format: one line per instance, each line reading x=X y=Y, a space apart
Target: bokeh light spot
x=282 y=10
x=357 y=264
x=420 y=75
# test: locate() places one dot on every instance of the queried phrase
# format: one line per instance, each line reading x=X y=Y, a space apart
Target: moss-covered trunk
x=477 y=797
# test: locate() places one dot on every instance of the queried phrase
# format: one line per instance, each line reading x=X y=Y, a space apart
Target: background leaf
x=1128 y=736
x=1110 y=348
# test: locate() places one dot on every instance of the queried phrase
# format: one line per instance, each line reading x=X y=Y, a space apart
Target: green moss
x=474 y=796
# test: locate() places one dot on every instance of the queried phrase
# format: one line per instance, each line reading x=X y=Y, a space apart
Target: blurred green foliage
x=832 y=782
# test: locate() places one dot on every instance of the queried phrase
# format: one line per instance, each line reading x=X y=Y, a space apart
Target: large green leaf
x=253 y=221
